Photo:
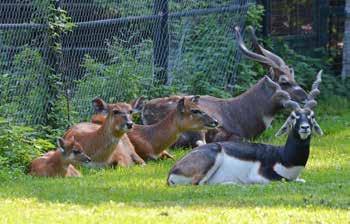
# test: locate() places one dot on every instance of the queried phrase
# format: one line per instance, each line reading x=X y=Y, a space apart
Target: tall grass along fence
x=56 y=56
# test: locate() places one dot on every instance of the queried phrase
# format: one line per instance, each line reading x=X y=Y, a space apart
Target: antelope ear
x=271 y=84
x=138 y=104
x=284 y=129
x=181 y=105
x=195 y=99
x=291 y=73
x=317 y=127
x=99 y=105
x=60 y=144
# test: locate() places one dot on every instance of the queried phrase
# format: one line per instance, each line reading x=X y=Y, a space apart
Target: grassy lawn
x=140 y=195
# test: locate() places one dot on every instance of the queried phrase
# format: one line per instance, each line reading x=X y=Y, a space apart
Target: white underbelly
x=235 y=171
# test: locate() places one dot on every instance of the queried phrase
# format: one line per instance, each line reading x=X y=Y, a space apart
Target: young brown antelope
x=59 y=162
x=252 y=163
x=124 y=155
x=100 y=141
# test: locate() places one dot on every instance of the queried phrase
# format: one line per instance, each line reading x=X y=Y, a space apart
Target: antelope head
x=118 y=116
x=302 y=121
x=72 y=151
x=279 y=71
x=191 y=117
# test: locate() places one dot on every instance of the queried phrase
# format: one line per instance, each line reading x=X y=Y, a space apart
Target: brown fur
x=100 y=141
x=54 y=163
x=151 y=140
x=124 y=155
x=239 y=117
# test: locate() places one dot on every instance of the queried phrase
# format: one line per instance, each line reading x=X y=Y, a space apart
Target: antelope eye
x=130 y=112
x=196 y=111
x=293 y=117
x=75 y=152
x=117 y=112
x=284 y=83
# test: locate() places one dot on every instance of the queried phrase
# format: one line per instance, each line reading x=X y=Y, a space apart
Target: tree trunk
x=346 y=42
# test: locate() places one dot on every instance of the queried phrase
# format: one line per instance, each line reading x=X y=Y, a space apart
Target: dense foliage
x=19 y=145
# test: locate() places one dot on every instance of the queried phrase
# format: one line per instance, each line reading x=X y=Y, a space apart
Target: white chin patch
x=200 y=142
x=303 y=135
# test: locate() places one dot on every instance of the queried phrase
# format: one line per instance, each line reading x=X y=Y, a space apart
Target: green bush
x=124 y=79
x=19 y=145
x=24 y=90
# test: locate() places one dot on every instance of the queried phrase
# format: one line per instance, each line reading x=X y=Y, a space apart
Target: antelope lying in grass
x=251 y=163
x=124 y=155
x=100 y=141
x=59 y=162
x=150 y=141
x=245 y=116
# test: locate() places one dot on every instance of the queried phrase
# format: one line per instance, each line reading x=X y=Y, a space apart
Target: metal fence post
x=161 y=42
x=322 y=15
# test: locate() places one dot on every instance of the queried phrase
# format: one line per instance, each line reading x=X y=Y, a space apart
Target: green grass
x=140 y=195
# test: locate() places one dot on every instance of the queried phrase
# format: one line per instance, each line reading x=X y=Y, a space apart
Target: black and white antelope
x=252 y=163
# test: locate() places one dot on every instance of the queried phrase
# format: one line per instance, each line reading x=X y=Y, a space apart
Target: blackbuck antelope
x=245 y=116
x=59 y=162
x=100 y=141
x=124 y=155
x=252 y=163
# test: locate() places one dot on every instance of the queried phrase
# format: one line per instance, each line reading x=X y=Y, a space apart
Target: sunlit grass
x=140 y=194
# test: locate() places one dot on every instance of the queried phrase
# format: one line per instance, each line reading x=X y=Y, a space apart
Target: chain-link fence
x=118 y=50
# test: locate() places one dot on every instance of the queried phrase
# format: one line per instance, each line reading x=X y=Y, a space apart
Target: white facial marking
x=304 y=136
x=200 y=142
x=291 y=173
x=297 y=88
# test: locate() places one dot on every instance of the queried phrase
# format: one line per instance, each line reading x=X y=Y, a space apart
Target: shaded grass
x=140 y=194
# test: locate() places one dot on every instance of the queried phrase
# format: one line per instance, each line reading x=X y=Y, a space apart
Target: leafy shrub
x=124 y=79
x=19 y=145
x=306 y=68
x=24 y=90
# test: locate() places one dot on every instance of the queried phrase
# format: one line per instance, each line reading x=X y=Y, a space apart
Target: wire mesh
x=118 y=50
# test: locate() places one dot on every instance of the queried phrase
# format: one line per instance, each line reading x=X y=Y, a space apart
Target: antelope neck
x=106 y=132
x=166 y=131
x=296 y=151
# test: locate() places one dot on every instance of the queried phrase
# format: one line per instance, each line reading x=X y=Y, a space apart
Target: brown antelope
x=245 y=116
x=59 y=162
x=150 y=141
x=124 y=155
x=252 y=163
x=100 y=141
